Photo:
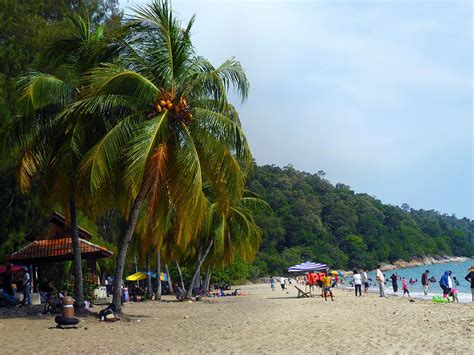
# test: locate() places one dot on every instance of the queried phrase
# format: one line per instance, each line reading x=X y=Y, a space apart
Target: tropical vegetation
x=124 y=128
x=316 y=220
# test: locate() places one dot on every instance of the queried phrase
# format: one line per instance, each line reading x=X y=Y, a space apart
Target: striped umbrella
x=307 y=267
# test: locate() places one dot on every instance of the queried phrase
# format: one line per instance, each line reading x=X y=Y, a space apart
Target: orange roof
x=51 y=250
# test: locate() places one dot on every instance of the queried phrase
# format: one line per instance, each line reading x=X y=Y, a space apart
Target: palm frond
x=36 y=90
x=101 y=160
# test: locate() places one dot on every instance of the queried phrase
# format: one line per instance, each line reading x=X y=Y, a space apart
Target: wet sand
x=261 y=322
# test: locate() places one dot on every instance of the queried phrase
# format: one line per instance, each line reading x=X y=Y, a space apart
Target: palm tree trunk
x=197 y=282
x=76 y=252
x=123 y=246
x=181 y=277
x=168 y=276
x=158 y=275
x=149 y=291
x=198 y=269
x=207 y=279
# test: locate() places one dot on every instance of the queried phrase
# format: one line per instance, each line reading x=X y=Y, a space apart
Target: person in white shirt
x=357 y=283
x=26 y=288
x=366 y=281
x=282 y=283
x=381 y=281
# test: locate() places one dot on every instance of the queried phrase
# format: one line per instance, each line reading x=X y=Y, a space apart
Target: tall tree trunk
x=123 y=246
x=76 y=252
x=181 y=277
x=149 y=291
x=158 y=275
x=198 y=269
x=168 y=276
x=207 y=279
x=197 y=282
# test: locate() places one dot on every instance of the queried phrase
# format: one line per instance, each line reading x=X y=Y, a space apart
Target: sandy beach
x=261 y=322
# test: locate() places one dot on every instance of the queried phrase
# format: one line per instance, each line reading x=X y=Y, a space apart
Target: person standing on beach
x=272 y=283
x=357 y=283
x=26 y=288
x=381 y=281
x=425 y=281
x=405 y=287
x=282 y=283
x=327 y=286
x=470 y=278
x=394 y=279
x=366 y=281
x=444 y=284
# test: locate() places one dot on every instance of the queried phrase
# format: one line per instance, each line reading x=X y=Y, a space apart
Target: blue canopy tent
x=307 y=267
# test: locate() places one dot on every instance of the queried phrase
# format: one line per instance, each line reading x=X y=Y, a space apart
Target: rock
x=186 y=317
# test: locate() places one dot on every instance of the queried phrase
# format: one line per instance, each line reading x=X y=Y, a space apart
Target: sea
x=458 y=269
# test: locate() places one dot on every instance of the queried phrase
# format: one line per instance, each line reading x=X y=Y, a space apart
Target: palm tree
x=47 y=144
x=230 y=233
x=170 y=127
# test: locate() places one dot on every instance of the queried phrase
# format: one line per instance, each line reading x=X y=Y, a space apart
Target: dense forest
x=311 y=218
x=315 y=220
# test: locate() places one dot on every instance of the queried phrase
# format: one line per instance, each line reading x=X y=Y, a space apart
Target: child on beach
x=454 y=295
x=366 y=281
x=272 y=283
x=405 y=287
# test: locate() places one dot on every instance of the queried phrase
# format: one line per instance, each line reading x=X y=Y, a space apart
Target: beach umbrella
x=136 y=276
x=141 y=275
x=307 y=267
x=163 y=276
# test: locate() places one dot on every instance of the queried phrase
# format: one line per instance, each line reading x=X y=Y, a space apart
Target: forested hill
x=315 y=220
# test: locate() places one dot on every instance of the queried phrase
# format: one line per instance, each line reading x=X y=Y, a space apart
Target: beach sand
x=261 y=322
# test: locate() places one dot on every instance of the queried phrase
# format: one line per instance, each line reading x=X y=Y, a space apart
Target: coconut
x=162 y=103
x=158 y=108
x=169 y=105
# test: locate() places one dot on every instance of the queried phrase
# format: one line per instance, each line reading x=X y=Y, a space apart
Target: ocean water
x=459 y=270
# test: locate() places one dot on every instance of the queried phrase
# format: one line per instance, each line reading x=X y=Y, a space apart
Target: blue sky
x=378 y=94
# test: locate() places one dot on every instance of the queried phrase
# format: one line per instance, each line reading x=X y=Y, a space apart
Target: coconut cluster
x=178 y=108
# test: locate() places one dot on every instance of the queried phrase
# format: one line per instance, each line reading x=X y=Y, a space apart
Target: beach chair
x=302 y=294
x=52 y=304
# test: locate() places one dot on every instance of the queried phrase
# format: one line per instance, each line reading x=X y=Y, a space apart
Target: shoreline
x=425 y=260
x=464 y=297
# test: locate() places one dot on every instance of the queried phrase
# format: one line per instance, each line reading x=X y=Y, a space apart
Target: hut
x=54 y=244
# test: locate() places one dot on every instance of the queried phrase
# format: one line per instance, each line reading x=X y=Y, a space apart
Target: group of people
x=11 y=287
x=283 y=281
x=447 y=283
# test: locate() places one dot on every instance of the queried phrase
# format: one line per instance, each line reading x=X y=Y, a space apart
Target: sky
x=378 y=94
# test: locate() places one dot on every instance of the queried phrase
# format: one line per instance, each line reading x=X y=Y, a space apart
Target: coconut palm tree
x=170 y=127
x=230 y=233
x=47 y=144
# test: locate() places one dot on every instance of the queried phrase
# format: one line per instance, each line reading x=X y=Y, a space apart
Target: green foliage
x=236 y=273
x=89 y=284
x=314 y=220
